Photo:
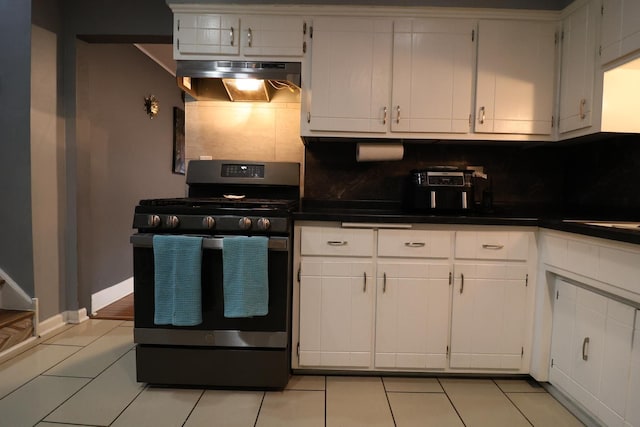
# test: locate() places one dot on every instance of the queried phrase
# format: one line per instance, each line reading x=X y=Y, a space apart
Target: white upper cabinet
x=578 y=40
x=620 y=28
x=381 y=76
x=207 y=36
x=350 y=74
x=273 y=36
x=432 y=75
x=515 y=77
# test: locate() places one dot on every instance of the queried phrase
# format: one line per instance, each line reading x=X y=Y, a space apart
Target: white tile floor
x=85 y=376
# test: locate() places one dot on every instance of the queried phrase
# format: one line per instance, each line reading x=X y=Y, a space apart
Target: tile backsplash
x=521 y=174
x=243 y=130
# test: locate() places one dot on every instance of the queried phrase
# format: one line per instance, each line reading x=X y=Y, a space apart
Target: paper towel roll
x=379 y=152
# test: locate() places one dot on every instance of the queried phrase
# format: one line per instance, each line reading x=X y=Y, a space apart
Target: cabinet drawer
x=508 y=245
x=414 y=243
x=336 y=241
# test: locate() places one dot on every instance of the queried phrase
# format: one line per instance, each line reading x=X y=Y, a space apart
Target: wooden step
x=15 y=327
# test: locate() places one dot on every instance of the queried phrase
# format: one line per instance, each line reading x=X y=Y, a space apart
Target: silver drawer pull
x=495 y=247
x=337 y=243
x=415 y=244
x=585 y=349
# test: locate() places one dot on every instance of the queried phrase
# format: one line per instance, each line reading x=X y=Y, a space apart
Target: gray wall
x=47 y=158
x=123 y=155
x=96 y=20
x=120 y=20
x=16 y=250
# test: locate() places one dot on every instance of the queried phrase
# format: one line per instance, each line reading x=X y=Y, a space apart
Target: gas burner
x=265 y=196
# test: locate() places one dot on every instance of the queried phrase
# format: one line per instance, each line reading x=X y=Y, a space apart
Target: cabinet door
x=620 y=28
x=514 y=90
x=412 y=315
x=488 y=319
x=562 y=337
x=273 y=35
x=578 y=66
x=589 y=345
x=432 y=75
x=336 y=312
x=350 y=74
x=616 y=361
x=200 y=35
x=632 y=411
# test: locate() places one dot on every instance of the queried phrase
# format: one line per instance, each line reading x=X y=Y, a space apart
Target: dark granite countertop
x=392 y=212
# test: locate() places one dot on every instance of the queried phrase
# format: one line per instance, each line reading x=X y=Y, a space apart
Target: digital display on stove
x=236 y=170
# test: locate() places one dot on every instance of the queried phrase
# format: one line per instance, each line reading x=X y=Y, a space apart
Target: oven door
x=270 y=331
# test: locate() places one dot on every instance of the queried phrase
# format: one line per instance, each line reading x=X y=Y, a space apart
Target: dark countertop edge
x=392 y=218
x=617 y=234
x=620 y=235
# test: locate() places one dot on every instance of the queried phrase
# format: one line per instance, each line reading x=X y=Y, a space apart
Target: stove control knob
x=153 y=221
x=209 y=222
x=172 y=221
x=264 y=224
x=244 y=223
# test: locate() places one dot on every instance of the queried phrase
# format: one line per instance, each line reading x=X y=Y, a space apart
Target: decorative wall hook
x=151 y=106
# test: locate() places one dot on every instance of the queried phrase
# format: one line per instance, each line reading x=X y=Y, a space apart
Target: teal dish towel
x=245 y=276
x=178 y=291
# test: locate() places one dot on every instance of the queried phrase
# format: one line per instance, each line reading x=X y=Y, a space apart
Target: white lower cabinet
x=591 y=351
x=394 y=300
x=489 y=313
x=336 y=312
x=632 y=410
x=412 y=315
x=489 y=316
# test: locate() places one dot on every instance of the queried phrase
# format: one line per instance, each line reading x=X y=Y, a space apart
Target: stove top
x=228 y=202
x=226 y=196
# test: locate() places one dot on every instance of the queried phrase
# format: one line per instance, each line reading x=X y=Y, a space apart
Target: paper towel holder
x=379 y=151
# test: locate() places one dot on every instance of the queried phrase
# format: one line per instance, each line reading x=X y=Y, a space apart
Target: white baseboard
x=111 y=294
x=77 y=316
x=51 y=324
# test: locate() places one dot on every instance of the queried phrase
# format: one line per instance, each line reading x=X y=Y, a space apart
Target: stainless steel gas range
x=229 y=204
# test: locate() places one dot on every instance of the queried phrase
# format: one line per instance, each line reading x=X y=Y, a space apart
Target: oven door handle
x=145 y=240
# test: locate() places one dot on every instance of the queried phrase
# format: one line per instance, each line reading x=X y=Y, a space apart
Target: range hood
x=204 y=79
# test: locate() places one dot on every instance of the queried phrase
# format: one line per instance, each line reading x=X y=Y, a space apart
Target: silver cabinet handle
x=415 y=244
x=231 y=36
x=384 y=118
x=585 y=348
x=494 y=247
x=398 y=116
x=461 y=283
x=337 y=243
x=364 y=287
x=249 y=37
x=481 y=116
x=384 y=282
x=583 y=104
